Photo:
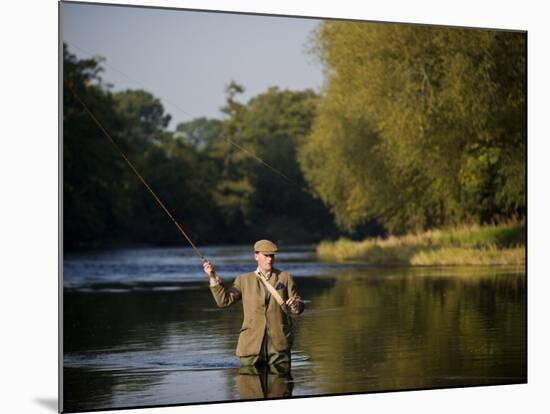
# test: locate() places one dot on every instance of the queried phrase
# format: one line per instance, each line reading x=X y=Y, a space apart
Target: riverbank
x=502 y=244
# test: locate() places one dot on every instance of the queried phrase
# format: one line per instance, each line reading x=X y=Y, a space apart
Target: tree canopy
x=208 y=172
x=261 y=173
x=418 y=126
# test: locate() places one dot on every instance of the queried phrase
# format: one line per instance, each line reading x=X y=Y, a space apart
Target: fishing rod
x=136 y=172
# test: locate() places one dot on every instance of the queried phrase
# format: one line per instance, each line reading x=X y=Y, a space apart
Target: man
x=270 y=301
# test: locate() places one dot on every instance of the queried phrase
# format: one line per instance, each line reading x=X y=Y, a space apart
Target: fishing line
x=261 y=161
x=136 y=172
x=104 y=63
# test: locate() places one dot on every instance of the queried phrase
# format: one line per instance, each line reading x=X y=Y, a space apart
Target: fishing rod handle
x=212 y=275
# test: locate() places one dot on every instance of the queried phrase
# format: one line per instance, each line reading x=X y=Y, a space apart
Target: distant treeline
x=416 y=128
x=216 y=191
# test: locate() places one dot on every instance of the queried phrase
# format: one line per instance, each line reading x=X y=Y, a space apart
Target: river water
x=141 y=328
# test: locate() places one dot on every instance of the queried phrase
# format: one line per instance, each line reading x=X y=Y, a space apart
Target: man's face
x=265 y=261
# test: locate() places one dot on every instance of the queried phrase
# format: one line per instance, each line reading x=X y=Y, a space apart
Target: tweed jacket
x=259 y=317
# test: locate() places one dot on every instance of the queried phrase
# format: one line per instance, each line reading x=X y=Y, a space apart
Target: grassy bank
x=502 y=244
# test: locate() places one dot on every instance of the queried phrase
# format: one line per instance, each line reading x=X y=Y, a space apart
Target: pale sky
x=186 y=58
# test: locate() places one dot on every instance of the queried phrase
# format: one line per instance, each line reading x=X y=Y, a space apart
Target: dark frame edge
x=526 y=151
x=60 y=207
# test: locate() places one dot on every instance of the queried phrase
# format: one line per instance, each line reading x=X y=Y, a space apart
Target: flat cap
x=265 y=246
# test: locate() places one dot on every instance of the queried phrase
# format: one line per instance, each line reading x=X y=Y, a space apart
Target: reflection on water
x=137 y=339
x=264 y=382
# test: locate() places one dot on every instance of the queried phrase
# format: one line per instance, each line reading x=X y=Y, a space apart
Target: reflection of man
x=263 y=382
x=270 y=300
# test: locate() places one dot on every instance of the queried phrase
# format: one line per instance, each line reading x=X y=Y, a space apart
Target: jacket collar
x=259 y=273
x=274 y=272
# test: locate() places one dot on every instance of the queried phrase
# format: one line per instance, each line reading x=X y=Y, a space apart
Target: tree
x=233 y=189
x=103 y=201
x=143 y=116
x=418 y=126
x=259 y=152
x=199 y=133
x=90 y=166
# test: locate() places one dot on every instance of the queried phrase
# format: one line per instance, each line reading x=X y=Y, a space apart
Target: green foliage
x=142 y=111
x=261 y=178
x=200 y=133
x=104 y=202
x=419 y=126
x=89 y=163
x=207 y=172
